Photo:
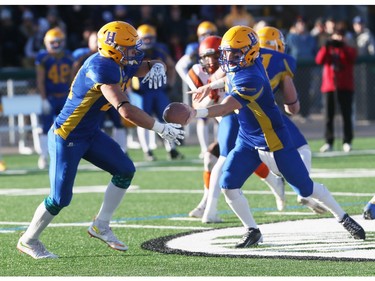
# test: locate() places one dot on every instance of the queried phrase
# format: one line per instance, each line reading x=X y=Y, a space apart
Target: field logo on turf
x=302 y=239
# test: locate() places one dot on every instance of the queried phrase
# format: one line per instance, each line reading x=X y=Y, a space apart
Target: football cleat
x=312 y=205
x=346 y=147
x=42 y=162
x=251 y=238
x=35 y=250
x=369 y=211
x=149 y=156
x=326 y=147
x=103 y=232
x=355 y=230
x=197 y=213
x=174 y=154
x=211 y=219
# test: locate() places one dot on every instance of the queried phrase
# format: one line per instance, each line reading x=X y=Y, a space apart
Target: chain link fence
x=18 y=130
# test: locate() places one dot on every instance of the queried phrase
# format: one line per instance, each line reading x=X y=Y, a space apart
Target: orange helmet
x=209 y=53
x=119 y=41
x=271 y=38
x=54 y=40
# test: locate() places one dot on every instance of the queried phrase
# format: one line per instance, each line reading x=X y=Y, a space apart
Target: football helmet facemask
x=209 y=53
x=147 y=34
x=271 y=38
x=239 y=48
x=54 y=40
x=119 y=41
x=206 y=28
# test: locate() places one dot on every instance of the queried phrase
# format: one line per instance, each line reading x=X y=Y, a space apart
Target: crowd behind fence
x=19 y=129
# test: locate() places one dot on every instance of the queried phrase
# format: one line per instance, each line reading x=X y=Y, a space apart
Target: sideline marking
x=322 y=239
x=137 y=189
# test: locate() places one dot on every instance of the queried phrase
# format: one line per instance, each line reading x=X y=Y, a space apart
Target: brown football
x=177 y=112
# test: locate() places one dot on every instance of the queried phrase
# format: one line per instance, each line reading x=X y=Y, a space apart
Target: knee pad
x=51 y=207
x=122 y=181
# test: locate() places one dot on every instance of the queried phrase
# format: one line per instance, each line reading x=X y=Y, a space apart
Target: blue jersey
x=57 y=71
x=261 y=123
x=85 y=105
x=278 y=66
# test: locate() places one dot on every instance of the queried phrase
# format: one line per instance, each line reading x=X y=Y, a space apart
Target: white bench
x=21 y=106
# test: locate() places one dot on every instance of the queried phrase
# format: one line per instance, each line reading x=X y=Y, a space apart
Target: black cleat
x=174 y=154
x=353 y=227
x=251 y=238
x=149 y=156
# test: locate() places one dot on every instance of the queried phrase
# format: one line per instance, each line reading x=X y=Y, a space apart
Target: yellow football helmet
x=239 y=48
x=54 y=40
x=119 y=41
x=271 y=38
x=206 y=28
x=147 y=34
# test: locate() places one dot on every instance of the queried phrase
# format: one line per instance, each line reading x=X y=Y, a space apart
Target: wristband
x=158 y=127
x=218 y=84
x=201 y=112
x=121 y=104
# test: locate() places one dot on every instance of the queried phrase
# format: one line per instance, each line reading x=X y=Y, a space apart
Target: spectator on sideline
x=303 y=47
x=238 y=15
x=365 y=40
x=338 y=61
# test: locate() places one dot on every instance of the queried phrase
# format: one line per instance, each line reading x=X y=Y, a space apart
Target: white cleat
x=35 y=250
x=312 y=205
x=326 y=147
x=42 y=162
x=347 y=147
x=102 y=231
x=211 y=219
x=197 y=213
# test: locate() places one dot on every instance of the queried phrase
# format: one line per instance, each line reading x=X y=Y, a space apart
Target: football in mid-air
x=177 y=112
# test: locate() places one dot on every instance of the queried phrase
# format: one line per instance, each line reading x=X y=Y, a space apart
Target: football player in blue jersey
x=262 y=137
x=217 y=152
x=53 y=77
x=76 y=133
x=80 y=55
x=154 y=101
x=280 y=68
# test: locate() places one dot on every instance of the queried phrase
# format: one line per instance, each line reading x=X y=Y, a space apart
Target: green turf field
x=163 y=191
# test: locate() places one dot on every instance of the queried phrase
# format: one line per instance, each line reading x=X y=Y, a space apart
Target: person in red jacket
x=338 y=60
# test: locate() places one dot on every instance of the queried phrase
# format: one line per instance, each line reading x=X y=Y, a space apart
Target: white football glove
x=46 y=107
x=156 y=77
x=169 y=131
